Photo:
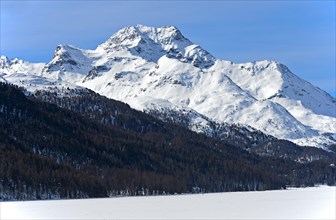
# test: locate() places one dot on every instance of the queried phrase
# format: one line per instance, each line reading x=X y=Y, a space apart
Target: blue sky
x=300 y=34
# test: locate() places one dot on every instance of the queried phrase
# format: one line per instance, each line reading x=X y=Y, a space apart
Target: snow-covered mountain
x=159 y=68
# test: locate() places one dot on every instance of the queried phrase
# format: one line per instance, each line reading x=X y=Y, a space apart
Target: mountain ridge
x=140 y=64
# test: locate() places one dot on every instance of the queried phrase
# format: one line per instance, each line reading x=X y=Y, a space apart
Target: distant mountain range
x=158 y=69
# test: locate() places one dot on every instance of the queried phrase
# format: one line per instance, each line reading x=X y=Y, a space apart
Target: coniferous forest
x=77 y=148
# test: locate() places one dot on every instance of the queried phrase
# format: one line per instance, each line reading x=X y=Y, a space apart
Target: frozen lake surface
x=294 y=203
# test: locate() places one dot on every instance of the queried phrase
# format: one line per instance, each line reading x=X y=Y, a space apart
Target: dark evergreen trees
x=51 y=152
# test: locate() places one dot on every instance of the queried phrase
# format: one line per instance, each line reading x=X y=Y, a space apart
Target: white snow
x=274 y=81
x=146 y=63
x=294 y=203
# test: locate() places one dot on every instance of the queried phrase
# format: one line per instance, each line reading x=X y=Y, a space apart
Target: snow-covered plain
x=295 y=203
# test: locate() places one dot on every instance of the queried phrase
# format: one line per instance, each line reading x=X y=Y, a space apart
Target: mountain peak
x=64 y=51
x=131 y=36
x=4 y=62
x=126 y=37
x=4 y=58
x=151 y=43
x=162 y=35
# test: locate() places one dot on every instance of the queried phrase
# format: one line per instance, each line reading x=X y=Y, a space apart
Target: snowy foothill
x=293 y=203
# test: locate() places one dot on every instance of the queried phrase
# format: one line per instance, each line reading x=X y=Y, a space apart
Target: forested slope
x=50 y=152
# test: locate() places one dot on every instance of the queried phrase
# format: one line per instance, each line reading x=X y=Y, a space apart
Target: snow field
x=295 y=203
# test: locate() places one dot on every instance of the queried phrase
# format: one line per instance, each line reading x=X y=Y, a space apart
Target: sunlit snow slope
x=142 y=65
